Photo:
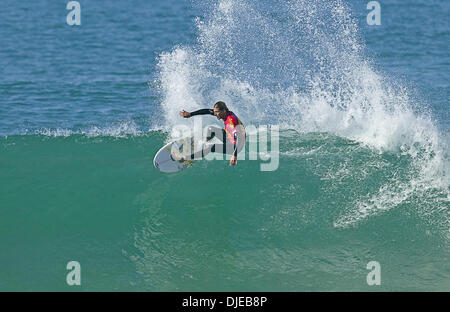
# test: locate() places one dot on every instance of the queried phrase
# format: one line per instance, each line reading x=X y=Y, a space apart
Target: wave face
x=332 y=206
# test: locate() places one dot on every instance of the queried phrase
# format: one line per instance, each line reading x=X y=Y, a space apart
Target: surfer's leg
x=226 y=149
x=207 y=146
x=220 y=147
x=202 y=153
x=213 y=131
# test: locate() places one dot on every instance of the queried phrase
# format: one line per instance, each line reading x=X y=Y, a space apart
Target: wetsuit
x=234 y=133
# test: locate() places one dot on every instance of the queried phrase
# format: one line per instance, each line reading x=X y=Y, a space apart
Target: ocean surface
x=363 y=171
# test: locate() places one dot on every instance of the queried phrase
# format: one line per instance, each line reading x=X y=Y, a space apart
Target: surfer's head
x=220 y=110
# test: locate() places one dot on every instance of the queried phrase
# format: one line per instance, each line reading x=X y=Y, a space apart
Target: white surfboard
x=166 y=159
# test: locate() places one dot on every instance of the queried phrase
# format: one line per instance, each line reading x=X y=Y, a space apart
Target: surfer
x=233 y=134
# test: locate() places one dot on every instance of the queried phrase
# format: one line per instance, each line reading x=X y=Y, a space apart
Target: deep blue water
x=100 y=73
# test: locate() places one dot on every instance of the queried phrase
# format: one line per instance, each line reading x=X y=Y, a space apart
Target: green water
x=99 y=201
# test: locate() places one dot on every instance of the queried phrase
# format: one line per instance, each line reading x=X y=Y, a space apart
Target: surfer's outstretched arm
x=205 y=111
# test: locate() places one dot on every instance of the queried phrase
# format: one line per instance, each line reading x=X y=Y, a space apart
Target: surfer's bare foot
x=177 y=156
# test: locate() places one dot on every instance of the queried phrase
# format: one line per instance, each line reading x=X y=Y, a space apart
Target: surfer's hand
x=185 y=114
x=233 y=160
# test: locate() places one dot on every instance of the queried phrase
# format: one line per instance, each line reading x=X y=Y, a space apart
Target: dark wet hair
x=221 y=106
